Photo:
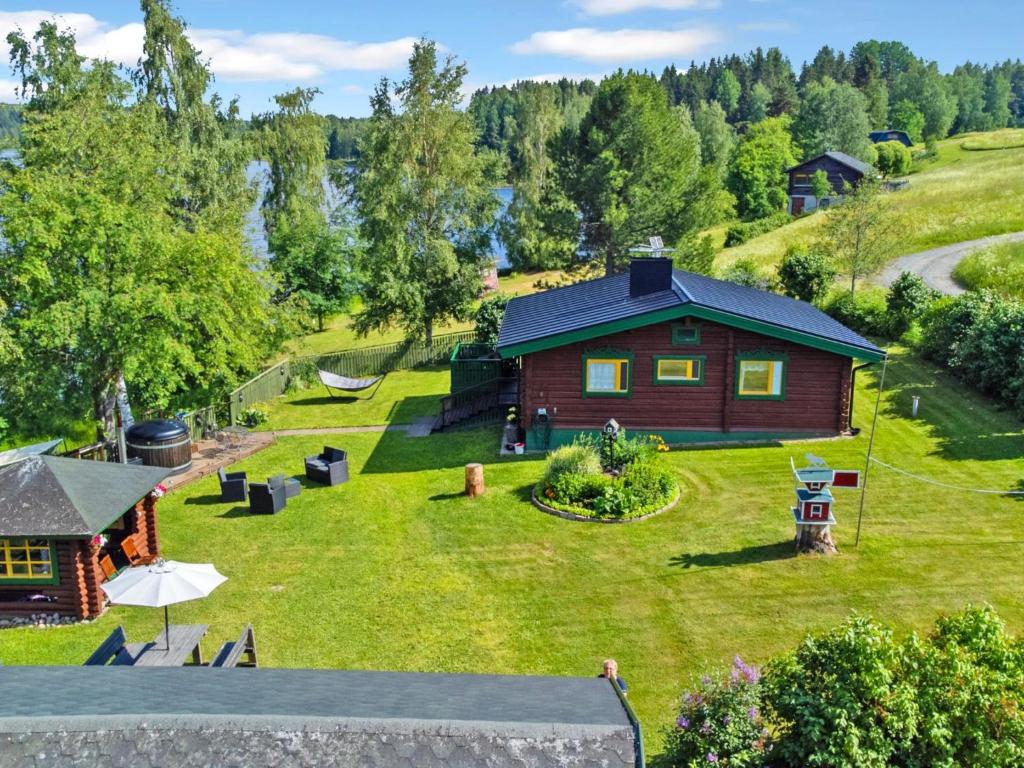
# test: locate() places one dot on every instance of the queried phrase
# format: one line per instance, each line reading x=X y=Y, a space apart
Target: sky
x=257 y=48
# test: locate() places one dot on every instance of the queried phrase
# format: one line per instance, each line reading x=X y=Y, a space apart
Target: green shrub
x=742 y=231
x=649 y=482
x=720 y=723
x=746 y=272
x=580 y=490
x=488 y=318
x=579 y=458
x=979 y=337
x=863 y=311
x=806 y=275
x=907 y=301
x=894 y=159
x=253 y=416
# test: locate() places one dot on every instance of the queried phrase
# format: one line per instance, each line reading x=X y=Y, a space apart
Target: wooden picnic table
x=184 y=642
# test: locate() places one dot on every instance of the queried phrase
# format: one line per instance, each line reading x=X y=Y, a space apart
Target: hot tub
x=160 y=443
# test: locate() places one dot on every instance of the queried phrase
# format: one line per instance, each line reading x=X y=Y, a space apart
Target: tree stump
x=474 y=480
x=815 y=539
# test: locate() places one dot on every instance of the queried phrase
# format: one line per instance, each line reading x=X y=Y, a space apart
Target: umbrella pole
x=167 y=630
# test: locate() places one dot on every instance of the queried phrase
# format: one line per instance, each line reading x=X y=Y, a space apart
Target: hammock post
x=871 y=445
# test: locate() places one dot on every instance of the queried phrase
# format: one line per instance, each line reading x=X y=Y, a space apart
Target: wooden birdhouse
x=813 y=512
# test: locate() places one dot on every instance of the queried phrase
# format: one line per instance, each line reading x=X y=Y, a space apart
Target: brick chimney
x=649 y=276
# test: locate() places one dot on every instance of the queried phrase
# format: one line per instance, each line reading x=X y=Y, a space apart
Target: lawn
x=960 y=195
x=403 y=397
x=1000 y=268
x=339 y=334
x=397 y=570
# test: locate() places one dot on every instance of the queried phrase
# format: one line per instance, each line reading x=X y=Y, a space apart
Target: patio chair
x=266 y=499
x=230 y=654
x=233 y=485
x=131 y=551
x=108 y=567
x=330 y=467
x=292 y=487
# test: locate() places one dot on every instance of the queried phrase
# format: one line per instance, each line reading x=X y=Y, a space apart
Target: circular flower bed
x=590 y=481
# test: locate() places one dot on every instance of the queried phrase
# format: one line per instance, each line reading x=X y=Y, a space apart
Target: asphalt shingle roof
x=50 y=496
x=840 y=157
x=63 y=692
x=540 y=316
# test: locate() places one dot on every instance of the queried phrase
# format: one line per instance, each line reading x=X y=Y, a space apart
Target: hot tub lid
x=156 y=430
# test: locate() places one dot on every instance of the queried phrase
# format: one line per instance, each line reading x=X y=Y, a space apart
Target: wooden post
x=474 y=480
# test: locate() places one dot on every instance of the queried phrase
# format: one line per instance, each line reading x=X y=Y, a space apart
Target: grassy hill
x=972 y=189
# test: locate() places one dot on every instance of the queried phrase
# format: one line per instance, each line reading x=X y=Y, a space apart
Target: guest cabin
x=842 y=171
x=66 y=525
x=685 y=356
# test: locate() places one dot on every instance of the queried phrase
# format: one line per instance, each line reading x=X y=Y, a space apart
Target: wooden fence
x=383 y=358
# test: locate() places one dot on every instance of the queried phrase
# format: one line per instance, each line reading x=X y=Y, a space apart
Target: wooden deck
x=221 y=454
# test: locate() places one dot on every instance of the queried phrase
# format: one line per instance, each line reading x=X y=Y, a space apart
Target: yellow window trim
x=31 y=554
x=770 y=389
x=617 y=362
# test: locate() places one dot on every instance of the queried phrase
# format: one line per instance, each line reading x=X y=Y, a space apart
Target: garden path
x=935 y=266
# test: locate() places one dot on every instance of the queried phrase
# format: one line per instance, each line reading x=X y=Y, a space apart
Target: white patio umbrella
x=161 y=584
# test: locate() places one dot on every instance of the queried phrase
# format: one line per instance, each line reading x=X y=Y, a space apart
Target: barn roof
x=54 y=497
x=840 y=157
x=603 y=306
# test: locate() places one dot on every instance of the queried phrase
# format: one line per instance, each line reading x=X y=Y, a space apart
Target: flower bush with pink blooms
x=720 y=722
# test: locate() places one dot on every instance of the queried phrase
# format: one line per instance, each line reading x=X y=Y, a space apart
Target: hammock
x=345 y=384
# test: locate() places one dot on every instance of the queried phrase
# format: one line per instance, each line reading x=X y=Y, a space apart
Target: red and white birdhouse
x=813 y=492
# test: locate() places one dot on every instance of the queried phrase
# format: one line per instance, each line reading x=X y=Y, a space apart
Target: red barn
x=683 y=355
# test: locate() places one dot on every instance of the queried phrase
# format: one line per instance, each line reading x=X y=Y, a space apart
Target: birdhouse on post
x=813 y=513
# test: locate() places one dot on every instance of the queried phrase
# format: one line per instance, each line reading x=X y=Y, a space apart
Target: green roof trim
x=684 y=311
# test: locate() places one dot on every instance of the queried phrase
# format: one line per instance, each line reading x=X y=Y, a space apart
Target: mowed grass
x=403 y=397
x=960 y=195
x=339 y=333
x=398 y=570
x=1006 y=138
x=999 y=268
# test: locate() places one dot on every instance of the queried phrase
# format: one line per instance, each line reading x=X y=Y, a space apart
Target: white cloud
x=352 y=90
x=233 y=54
x=8 y=90
x=617 y=45
x=613 y=7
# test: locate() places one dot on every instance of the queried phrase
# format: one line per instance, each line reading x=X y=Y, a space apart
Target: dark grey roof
x=113 y=692
x=50 y=496
x=843 y=159
x=17 y=454
x=530 y=319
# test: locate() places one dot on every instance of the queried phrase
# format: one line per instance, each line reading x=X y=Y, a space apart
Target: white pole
x=871 y=445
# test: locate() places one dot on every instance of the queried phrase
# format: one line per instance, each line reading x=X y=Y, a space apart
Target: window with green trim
x=606 y=375
x=685 y=334
x=761 y=378
x=26 y=560
x=676 y=369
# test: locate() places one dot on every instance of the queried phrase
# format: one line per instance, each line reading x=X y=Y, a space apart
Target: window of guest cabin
x=802 y=179
x=27 y=561
x=679 y=370
x=761 y=377
x=607 y=374
x=683 y=335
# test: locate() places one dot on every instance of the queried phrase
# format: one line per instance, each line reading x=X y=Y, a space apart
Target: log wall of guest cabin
x=78 y=592
x=838 y=176
x=816 y=395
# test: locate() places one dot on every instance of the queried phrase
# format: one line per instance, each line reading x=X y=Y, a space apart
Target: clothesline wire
x=923 y=479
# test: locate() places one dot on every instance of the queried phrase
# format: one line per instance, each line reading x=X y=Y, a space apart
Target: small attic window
x=685 y=333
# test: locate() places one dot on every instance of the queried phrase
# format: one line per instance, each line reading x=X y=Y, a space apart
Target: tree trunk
x=428 y=331
x=105 y=404
x=320 y=322
x=609 y=262
x=474 y=480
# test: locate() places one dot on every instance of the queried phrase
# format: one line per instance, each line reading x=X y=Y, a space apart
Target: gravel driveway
x=936 y=265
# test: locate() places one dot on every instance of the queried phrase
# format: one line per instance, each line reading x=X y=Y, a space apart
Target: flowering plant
x=159 y=491
x=720 y=722
x=99 y=541
x=512 y=417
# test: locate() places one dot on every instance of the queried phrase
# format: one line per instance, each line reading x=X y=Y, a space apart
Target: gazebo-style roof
x=15 y=455
x=54 y=497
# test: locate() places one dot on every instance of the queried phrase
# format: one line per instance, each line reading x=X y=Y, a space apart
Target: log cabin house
x=59 y=518
x=683 y=355
x=841 y=169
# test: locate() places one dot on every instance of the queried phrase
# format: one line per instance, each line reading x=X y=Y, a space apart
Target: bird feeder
x=813 y=513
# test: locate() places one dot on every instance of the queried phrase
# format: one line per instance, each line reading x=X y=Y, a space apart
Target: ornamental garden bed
x=605 y=481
